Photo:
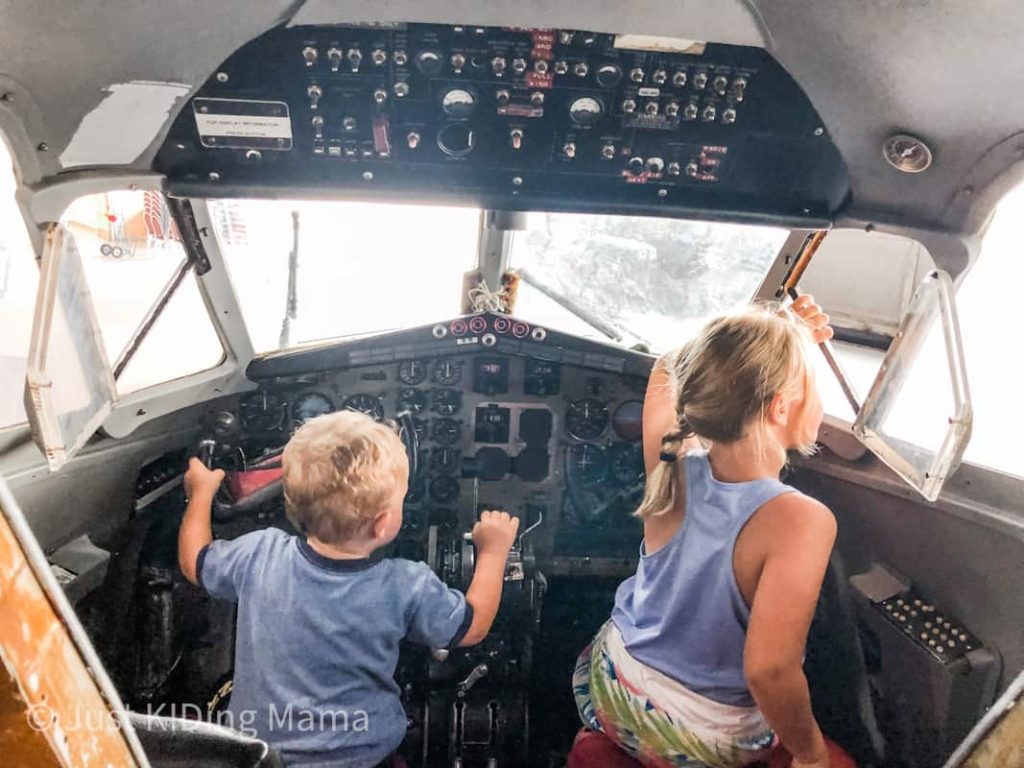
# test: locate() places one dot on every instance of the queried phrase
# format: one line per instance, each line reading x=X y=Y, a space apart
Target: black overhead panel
x=508 y=119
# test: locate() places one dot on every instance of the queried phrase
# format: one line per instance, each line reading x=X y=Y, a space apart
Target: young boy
x=319 y=623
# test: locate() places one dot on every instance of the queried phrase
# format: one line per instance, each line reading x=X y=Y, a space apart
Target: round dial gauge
x=309 y=406
x=422 y=429
x=445 y=431
x=628 y=420
x=586 y=111
x=588 y=464
x=417 y=490
x=444 y=461
x=586 y=419
x=262 y=411
x=412 y=372
x=627 y=463
x=447 y=372
x=458 y=103
x=444 y=489
x=368 y=404
x=447 y=402
x=411 y=400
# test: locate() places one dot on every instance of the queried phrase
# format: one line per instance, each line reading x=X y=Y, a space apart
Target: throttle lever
x=478 y=672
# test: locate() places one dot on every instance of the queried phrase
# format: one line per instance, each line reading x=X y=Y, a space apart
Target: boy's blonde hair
x=724 y=379
x=340 y=471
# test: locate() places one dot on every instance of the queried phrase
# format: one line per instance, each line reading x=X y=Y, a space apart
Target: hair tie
x=668 y=457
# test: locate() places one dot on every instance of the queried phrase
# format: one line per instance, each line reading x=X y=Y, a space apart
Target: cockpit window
x=637 y=280
x=19 y=277
x=360 y=267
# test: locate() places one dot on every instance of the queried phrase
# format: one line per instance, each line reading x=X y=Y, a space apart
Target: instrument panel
x=558 y=444
x=508 y=118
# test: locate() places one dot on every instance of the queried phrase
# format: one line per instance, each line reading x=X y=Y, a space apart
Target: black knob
x=635 y=165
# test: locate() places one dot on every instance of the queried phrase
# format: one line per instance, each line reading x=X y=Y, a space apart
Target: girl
x=701 y=663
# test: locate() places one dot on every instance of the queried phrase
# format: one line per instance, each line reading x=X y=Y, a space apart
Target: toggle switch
x=318 y=126
x=355 y=58
x=515 y=137
x=334 y=57
x=314 y=92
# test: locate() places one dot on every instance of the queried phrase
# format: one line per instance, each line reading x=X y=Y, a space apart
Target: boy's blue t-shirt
x=317 y=643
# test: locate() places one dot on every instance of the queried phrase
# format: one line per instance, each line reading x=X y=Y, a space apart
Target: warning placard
x=243 y=124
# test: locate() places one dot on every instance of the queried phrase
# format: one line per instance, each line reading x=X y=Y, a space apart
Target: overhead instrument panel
x=507 y=118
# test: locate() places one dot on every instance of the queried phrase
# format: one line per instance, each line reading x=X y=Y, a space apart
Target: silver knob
x=498 y=65
x=380 y=96
x=310 y=55
x=636 y=75
x=515 y=138
x=679 y=79
x=659 y=77
x=379 y=56
x=581 y=69
x=318 y=126
x=334 y=57
x=709 y=113
x=355 y=58
x=608 y=152
x=503 y=97
x=401 y=90
x=561 y=67
x=739 y=87
x=458 y=61
x=314 y=92
x=537 y=98
x=674 y=169
x=519 y=66
x=729 y=116
x=401 y=58
x=700 y=80
x=540 y=67
x=413 y=140
x=690 y=111
x=349 y=123
x=692 y=169
x=629 y=106
x=569 y=150
x=655 y=165
x=651 y=108
x=721 y=83
x=672 y=108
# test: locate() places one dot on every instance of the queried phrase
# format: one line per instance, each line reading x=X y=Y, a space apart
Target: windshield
x=364 y=268
x=360 y=267
x=654 y=281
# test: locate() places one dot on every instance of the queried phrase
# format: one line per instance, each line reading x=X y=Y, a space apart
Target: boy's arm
x=196 y=530
x=493 y=535
x=798 y=536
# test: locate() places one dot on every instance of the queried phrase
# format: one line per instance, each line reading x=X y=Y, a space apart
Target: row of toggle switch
x=607 y=75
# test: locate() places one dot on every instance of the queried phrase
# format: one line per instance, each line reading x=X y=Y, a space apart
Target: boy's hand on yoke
x=495 y=532
x=201 y=481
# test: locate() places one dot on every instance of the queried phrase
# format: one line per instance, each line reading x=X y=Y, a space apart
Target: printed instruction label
x=243 y=124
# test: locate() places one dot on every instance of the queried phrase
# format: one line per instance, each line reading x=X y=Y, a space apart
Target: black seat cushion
x=171 y=742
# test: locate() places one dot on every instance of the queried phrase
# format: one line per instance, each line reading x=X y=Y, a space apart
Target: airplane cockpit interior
x=483 y=224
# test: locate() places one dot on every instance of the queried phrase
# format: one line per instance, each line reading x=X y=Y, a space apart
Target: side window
x=19 y=278
x=988 y=303
x=130 y=250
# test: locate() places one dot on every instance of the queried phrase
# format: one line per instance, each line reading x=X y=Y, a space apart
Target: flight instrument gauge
x=445 y=461
x=588 y=464
x=368 y=404
x=309 y=406
x=586 y=419
x=262 y=411
x=447 y=372
x=444 y=489
x=412 y=372
x=447 y=402
x=411 y=400
x=627 y=463
x=445 y=431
